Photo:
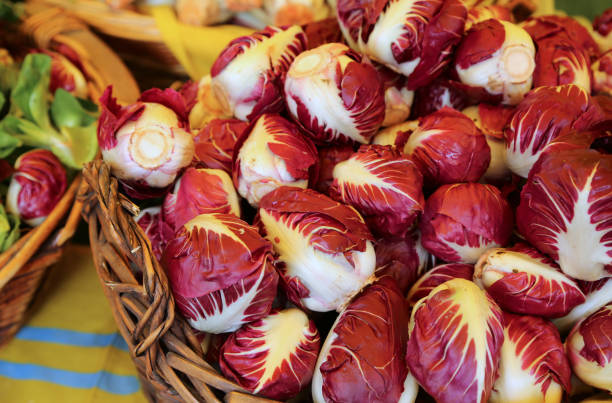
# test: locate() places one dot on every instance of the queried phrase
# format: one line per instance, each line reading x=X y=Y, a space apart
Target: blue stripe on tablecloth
x=71 y=337
x=111 y=383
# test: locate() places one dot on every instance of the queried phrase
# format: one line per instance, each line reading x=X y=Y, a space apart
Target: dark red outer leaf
x=291 y=140
x=603 y=23
x=534 y=336
x=356 y=371
x=494 y=118
x=338 y=228
x=157 y=231
x=189 y=92
x=443 y=32
x=328 y=158
x=43 y=181
x=359 y=16
x=214 y=143
x=113 y=117
x=458 y=152
x=6 y=170
x=171 y=99
x=596 y=331
x=399 y=258
x=474 y=95
x=322 y=32
x=549 y=25
x=197 y=192
x=200 y=261
x=436 y=276
x=558 y=61
x=480 y=42
x=363 y=97
x=433 y=96
x=462 y=213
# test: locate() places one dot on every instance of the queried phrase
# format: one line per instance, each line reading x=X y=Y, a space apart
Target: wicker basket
x=23 y=265
x=164 y=348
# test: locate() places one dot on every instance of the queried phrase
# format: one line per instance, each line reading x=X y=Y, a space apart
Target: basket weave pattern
x=23 y=266
x=165 y=350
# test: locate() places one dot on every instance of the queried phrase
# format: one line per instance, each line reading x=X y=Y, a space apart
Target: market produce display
x=47 y=132
x=422 y=210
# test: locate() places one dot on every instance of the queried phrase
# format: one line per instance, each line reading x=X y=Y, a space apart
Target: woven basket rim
x=163 y=346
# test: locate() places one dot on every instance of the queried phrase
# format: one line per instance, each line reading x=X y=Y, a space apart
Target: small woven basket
x=23 y=265
x=166 y=352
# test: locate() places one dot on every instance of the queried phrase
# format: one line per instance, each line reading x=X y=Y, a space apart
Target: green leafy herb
x=9 y=229
x=61 y=123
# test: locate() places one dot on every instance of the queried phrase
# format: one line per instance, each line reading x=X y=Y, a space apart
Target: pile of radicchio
x=423 y=208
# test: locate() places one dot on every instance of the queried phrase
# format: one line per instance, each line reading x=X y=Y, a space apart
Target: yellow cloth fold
x=196 y=48
x=69 y=350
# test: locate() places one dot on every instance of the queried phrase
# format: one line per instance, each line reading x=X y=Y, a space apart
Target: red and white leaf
x=215 y=142
x=274 y=356
x=323 y=248
x=533 y=366
x=384 y=186
x=589 y=349
x=436 y=276
x=221 y=272
x=522 y=280
x=454 y=342
x=351 y=104
x=272 y=153
x=566 y=211
x=200 y=191
x=597 y=294
x=545 y=114
x=248 y=73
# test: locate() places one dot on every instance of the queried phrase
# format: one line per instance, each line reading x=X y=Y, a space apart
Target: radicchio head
x=362 y=357
x=414 y=38
x=272 y=153
x=249 y=72
x=351 y=104
x=522 y=280
x=145 y=144
x=461 y=221
x=323 y=248
x=221 y=272
x=200 y=191
x=448 y=148
x=37 y=185
x=274 y=356
x=495 y=61
x=454 y=342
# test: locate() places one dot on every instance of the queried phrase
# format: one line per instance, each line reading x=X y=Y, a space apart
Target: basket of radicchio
x=423 y=214
x=48 y=80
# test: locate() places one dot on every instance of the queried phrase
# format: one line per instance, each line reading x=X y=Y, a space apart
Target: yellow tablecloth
x=69 y=350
